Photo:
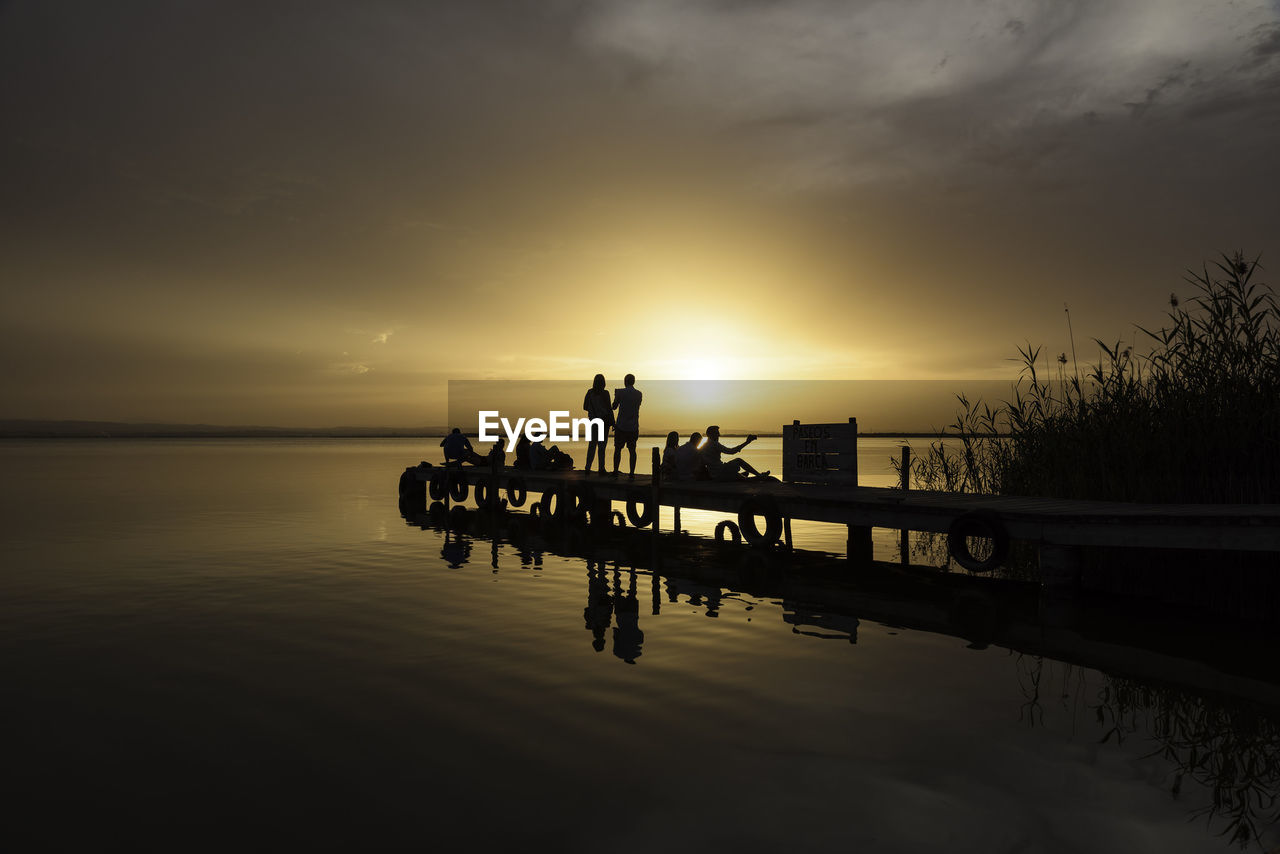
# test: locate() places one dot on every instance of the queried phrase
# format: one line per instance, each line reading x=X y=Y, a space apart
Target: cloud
x=867 y=91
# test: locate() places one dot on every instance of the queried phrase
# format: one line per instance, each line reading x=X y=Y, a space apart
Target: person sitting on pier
x=457 y=448
x=522 y=453
x=669 y=455
x=721 y=469
x=688 y=462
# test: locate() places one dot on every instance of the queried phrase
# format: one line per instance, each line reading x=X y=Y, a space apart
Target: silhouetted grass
x=1227 y=748
x=1195 y=418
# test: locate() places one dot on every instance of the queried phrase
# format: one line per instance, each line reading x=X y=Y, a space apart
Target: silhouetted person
x=456 y=551
x=721 y=469
x=542 y=458
x=627 y=636
x=596 y=403
x=522 y=453
x=626 y=430
x=458 y=447
x=598 y=615
x=669 y=455
x=688 y=461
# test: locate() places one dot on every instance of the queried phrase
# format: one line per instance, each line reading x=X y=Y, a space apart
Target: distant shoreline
x=119 y=430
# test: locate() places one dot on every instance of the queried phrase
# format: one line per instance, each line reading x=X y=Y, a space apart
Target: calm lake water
x=207 y=644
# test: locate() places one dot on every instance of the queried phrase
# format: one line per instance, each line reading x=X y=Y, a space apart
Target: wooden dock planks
x=1247 y=527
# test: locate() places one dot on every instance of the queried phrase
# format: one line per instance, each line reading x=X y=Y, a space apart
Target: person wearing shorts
x=626 y=428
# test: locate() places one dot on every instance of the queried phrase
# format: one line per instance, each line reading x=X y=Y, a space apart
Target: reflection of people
x=627 y=636
x=598 y=614
x=456 y=551
x=458 y=447
x=725 y=470
x=627 y=428
x=596 y=403
x=669 y=455
x=688 y=461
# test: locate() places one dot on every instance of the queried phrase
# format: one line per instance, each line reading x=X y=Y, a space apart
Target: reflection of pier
x=822 y=600
x=1057 y=527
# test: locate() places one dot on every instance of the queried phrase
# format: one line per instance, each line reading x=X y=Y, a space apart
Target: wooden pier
x=1057 y=527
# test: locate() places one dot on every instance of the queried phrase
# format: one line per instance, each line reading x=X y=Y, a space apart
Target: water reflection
x=1218 y=733
x=1229 y=747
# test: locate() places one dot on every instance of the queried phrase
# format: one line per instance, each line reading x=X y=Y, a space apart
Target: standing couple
x=626 y=427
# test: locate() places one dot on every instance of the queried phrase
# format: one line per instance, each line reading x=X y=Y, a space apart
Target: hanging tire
x=978 y=523
x=459 y=516
x=634 y=516
x=760 y=505
x=411 y=488
x=439 y=486
x=487 y=495
x=546 y=500
x=616 y=517
x=458 y=486
x=535 y=510
x=516 y=491
x=726 y=525
x=581 y=498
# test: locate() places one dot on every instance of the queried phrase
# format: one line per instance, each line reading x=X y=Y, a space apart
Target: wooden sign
x=820 y=453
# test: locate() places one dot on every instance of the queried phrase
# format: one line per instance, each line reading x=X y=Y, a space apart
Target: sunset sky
x=317 y=213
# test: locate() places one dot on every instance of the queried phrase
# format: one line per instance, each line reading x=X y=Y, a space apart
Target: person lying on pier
x=457 y=448
x=688 y=461
x=542 y=458
x=721 y=469
x=669 y=455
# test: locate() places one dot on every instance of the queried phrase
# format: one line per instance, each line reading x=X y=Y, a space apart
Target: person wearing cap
x=726 y=470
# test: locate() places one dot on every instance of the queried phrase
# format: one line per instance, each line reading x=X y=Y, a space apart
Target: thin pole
x=905 y=485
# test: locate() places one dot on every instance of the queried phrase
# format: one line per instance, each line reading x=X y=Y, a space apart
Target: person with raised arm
x=720 y=469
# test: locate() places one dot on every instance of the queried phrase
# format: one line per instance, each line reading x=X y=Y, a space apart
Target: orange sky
x=318 y=214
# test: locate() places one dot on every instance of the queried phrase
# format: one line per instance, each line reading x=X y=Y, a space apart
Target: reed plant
x=1194 y=417
x=1231 y=749
x=1222 y=753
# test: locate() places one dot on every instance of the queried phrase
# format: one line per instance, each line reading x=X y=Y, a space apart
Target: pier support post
x=904 y=485
x=1060 y=568
x=675 y=510
x=859 y=545
x=1059 y=583
x=656 y=482
x=601 y=513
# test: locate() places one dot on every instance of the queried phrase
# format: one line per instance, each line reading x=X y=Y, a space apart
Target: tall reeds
x=1195 y=418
